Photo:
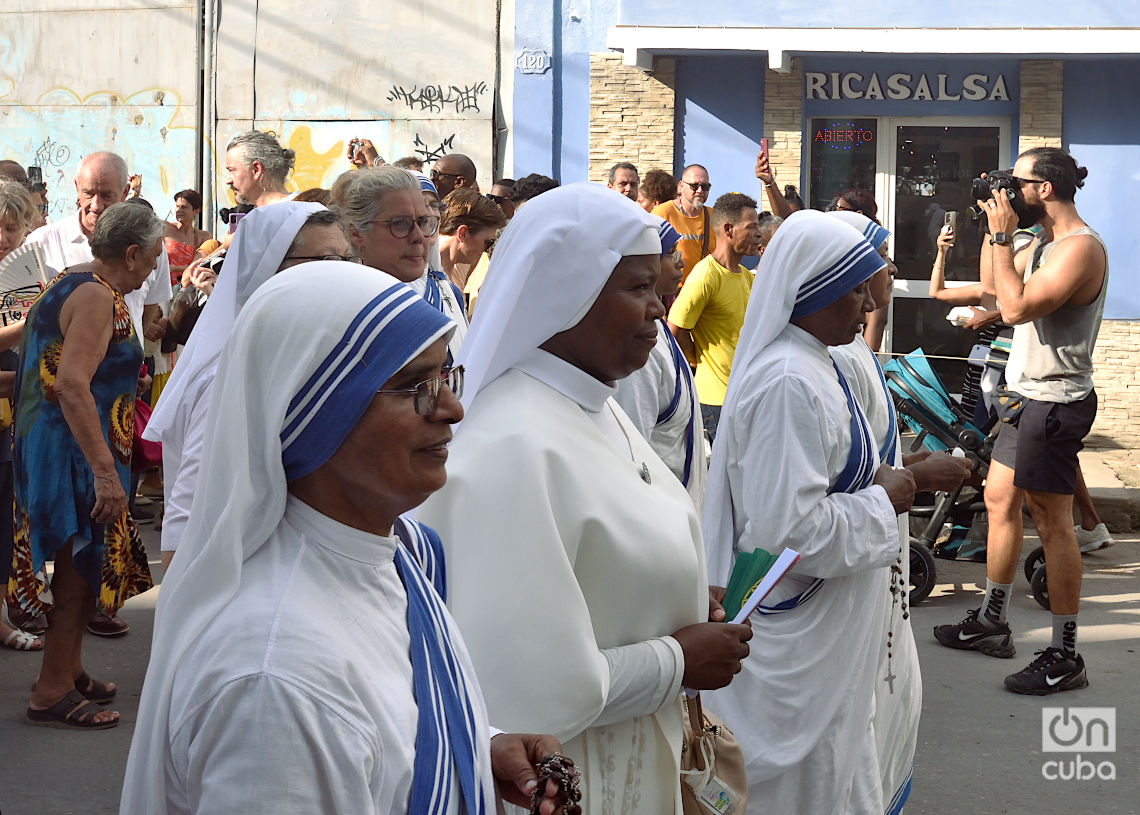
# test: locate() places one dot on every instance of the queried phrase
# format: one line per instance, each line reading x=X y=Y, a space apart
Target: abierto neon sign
x=843 y=136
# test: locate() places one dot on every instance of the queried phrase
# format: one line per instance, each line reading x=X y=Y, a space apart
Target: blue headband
x=669 y=236
x=856 y=265
x=390 y=331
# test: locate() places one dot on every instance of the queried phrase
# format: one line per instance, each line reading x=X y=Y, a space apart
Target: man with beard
x=256 y=168
x=1056 y=308
x=688 y=214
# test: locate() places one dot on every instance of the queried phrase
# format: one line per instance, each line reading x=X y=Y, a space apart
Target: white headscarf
x=303 y=361
x=876 y=234
x=812 y=260
x=260 y=243
x=434 y=261
x=550 y=264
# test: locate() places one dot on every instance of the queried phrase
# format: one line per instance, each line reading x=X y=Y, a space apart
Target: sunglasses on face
x=437 y=173
x=427 y=393
x=698 y=185
x=401 y=225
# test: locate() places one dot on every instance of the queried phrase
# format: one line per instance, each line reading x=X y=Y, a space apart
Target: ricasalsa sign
x=901 y=85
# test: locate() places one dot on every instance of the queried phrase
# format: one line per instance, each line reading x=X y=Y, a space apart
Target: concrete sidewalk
x=1112 y=475
x=979 y=746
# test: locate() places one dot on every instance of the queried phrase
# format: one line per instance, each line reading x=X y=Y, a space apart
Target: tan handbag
x=712 y=765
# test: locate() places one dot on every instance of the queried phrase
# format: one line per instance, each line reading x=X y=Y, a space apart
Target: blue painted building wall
x=881 y=13
x=1102 y=132
x=719 y=97
x=720 y=119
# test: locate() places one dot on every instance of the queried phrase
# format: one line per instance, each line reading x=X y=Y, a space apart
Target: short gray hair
x=114 y=159
x=358 y=194
x=16 y=202
x=123 y=225
x=254 y=145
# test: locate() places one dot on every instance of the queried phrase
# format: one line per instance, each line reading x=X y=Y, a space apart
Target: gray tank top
x=1051 y=357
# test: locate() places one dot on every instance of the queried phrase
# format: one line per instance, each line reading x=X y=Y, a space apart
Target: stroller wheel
x=1032 y=561
x=1040 y=587
x=922 y=575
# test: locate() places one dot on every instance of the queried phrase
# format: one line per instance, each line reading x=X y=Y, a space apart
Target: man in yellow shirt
x=708 y=313
x=690 y=217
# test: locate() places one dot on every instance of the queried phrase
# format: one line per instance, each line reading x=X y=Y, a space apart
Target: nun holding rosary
x=795 y=465
x=303 y=659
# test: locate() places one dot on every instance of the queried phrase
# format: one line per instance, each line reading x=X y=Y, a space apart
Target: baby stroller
x=939 y=423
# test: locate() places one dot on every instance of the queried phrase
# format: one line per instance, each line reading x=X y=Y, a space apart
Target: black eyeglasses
x=427 y=393
x=437 y=173
x=401 y=226
x=498 y=199
x=698 y=185
x=346 y=258
x=1021 y=182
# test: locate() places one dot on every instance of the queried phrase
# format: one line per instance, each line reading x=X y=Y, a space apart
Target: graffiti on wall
x=434 y=98
x=435 y=154
x=56 y=130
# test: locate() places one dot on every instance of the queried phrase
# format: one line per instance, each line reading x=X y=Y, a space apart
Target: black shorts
x=1042 y=448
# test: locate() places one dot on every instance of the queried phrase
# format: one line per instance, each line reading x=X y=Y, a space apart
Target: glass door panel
x=934 y=165
x=843 y=155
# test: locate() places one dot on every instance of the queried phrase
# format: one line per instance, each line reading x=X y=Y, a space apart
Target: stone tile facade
x=1042 y=92
x=631 y=115
x=1117 y=382
x=783 y=122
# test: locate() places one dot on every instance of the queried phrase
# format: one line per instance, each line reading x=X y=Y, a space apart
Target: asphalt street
x=980 y=747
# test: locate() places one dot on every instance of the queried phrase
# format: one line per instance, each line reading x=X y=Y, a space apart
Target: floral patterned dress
x=54 y=485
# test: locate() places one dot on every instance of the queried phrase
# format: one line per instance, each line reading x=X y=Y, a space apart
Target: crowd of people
x=453 y=482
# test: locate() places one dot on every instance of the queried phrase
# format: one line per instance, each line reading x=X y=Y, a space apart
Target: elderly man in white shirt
x=103 y=180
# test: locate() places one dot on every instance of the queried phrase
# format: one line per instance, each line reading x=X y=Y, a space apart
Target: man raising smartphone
x=1056 y=309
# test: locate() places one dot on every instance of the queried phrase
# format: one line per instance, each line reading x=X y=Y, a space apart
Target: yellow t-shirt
x=711 y=306
x=691 y=230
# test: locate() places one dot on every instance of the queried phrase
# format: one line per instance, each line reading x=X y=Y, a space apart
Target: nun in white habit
x=661 y=398
x=899 y=692
x=794 y=466
x=577 y=565
x=259 y=247
x=303 y=659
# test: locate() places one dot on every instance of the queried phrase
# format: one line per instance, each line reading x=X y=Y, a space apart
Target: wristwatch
x=1000 y=239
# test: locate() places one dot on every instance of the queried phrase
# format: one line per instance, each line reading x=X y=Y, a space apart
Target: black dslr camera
x=982 y=189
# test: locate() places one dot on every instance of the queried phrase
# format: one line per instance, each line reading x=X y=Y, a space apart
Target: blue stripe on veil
x=445 y=731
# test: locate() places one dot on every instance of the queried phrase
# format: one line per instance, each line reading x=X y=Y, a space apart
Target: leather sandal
x=73 y=711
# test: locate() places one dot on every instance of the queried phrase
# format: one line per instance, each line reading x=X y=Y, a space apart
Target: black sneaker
x=993 y=640
x=1051 y=672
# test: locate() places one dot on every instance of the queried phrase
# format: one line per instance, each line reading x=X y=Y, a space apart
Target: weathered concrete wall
x=125 y=78
x=412 y=77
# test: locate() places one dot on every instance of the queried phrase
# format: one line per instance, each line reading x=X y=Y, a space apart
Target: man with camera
x=1055 y=308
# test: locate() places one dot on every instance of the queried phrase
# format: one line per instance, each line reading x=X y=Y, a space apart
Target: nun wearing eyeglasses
x=267 y=240
x=303 y=659
x=393 y=220
x=575 y=554
x=898 y=695
x=795 y=466
x=660 y=398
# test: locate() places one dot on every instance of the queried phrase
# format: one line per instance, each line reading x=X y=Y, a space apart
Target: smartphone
x=233 y=219
x=764 y=147
x=951 y=220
